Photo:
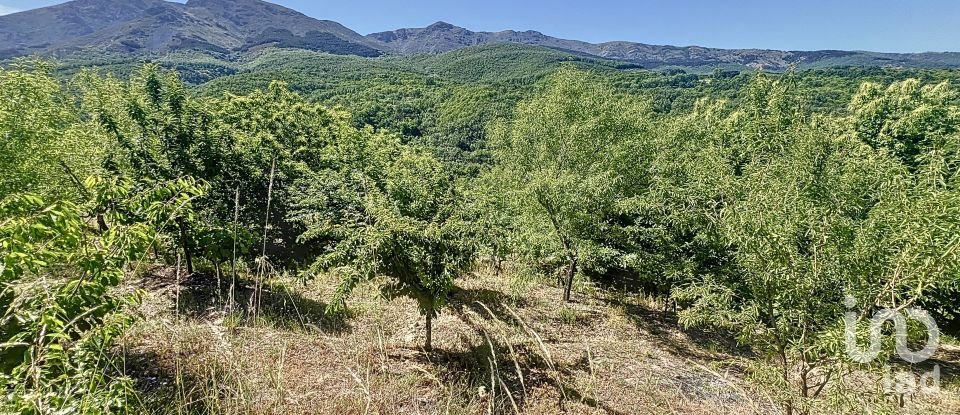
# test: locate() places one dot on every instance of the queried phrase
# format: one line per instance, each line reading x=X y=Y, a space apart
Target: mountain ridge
x=154 y=26
x=443 y=37
x=238 y=26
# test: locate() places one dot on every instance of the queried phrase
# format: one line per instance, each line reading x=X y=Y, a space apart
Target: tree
x=670 y=229
x=907 y=118
x=45 y=146
x=488 y=216
x=277 y=135
x=812 y=215
x=379 y=208
x=159 y=133
x=563 y=161
x=909 y=244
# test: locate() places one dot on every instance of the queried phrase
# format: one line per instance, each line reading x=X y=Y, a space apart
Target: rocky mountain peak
x=441 y=25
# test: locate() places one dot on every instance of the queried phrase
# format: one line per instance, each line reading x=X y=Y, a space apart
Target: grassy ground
x=500 y=348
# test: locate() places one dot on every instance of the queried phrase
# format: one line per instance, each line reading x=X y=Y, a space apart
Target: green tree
x=812 y=214
x=44 y=144
x=911 y=248
x=489 y=218
x=278 y=136
x=907 y=118
x=159 y=133
x=379 y=208
x=671 y=232
x=564 y=162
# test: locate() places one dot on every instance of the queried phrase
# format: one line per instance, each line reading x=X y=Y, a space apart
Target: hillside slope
x=152 y=26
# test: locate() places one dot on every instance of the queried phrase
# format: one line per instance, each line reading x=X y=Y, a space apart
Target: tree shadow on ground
x=204 y=297
x=156 y=383
x=946 y=361
x=620 y=280
x=664 y=329
x=480 y=300
x=517 y=368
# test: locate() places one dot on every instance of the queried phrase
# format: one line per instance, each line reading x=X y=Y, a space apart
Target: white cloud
x=7 y=10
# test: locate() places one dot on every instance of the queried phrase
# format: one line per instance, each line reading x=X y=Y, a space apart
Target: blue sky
x=878 y=25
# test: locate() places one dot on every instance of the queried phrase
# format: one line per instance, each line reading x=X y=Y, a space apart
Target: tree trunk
x=428 y=344
x=216 y=267
x=233 y=258
x=185 y=245
x=571 y=272
x=102 y=223
x=786 y=375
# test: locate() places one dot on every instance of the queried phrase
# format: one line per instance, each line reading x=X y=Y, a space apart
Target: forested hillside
x=498 y=229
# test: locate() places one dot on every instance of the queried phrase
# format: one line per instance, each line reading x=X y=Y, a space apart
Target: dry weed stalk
x=263 y=263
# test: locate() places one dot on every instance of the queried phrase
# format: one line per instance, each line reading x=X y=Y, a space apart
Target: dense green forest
x=757 y=206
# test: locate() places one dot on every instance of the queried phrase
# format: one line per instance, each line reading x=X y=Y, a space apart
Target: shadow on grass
x=516 y=369
x=516 y=373
x=661 y=325
x=947 y=361
x=664 y=329
x=474 y=299
x=161 y=390
x=202 y=297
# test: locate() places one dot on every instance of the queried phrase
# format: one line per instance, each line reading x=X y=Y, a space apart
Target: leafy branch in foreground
x=62 y=311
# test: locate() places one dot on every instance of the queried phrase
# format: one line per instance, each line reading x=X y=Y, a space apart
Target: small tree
x=564 y=163
x=908 y=252
x=489 y=217
x=158 y=133
x=379 y=208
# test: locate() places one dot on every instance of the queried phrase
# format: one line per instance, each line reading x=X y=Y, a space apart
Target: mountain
x=443 y=37
x=151 y=26
x=133 y=27
x=39 y=29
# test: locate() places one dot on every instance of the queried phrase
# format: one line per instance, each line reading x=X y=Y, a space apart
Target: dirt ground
x=499 y=348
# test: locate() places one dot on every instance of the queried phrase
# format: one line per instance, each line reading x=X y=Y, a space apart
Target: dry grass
x=524 y=353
